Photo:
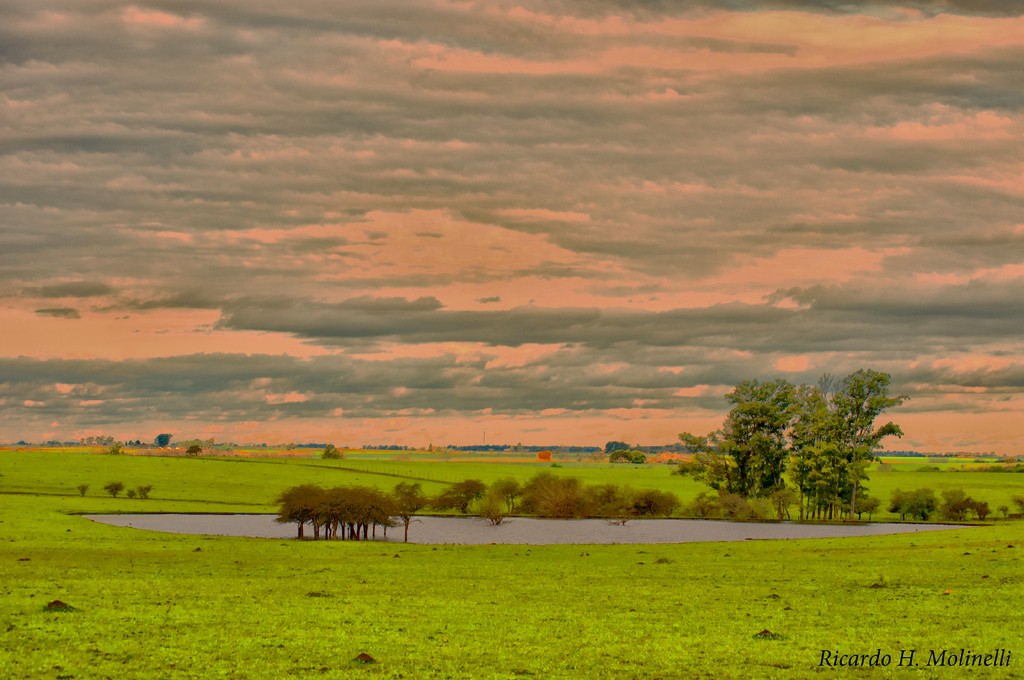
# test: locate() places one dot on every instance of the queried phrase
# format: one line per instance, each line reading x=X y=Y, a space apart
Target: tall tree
x=408 y=500
x=862 y=397
x=747 y=456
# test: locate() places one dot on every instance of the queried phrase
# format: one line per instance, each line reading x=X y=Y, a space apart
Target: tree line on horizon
x=819 y=438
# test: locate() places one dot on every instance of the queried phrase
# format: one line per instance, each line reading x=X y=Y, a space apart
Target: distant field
x=153 y=605
x=255 y=481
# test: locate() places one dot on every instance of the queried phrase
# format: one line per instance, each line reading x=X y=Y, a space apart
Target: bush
x=143 y=491
x=493 y=508
x=651 y=502
x=332 y=453
x=82 y=488
x=550 y=496
x=702 y=506
x=688 y=468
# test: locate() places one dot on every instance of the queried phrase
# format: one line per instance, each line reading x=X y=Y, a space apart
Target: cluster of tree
x=355 y=512
x=956 y=505
x=549 y=495
x=339 y=512
x=918 y=504
x=627 y=456
x=922 y=504
x=115 y=489
x=823 y=437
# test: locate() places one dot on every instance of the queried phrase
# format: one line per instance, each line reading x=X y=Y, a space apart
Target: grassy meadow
x=155 y=605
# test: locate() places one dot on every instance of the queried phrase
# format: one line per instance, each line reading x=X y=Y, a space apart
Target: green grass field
x=153 y=605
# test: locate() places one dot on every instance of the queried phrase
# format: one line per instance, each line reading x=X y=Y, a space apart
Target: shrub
x=734 y=506
x=331 y=452
x=702 y=506
x=650 y=502
x=493 y=508
x=688 y=468
x=130 y=493
x=1019 y=502
x=143 y=491
x=550 y=496
x=82 y=488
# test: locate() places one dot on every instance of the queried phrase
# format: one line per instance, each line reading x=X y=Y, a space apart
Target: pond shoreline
x=441 y=530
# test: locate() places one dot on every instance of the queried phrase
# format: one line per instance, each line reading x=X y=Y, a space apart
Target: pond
x=525 y=530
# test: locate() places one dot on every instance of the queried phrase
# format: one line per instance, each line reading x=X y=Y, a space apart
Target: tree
x=748 y=455
x=194 y=450
x=781 y=499
x=867 y=504
x=332 y=453
x=408 y=500
x=616 y=446
x=899 y=501
x=143 y=491
x=861 y=398
x=114 y=488
x=920 y=503
x=114 y=450
x=163 y=440
x=1019 y=502
x=460 y=495
x=82 y=488
x=955 y=504
x=508 y=489
x=298 y=504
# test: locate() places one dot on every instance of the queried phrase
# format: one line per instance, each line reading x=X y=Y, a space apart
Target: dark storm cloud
x=76 y=289
x=59 y=312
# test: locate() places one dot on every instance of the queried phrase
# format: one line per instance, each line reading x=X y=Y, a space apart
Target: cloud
x=722 y=189
x=75 y=289
x=60 y=312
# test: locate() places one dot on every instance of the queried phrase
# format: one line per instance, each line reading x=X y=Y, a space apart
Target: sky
x=505 y=221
